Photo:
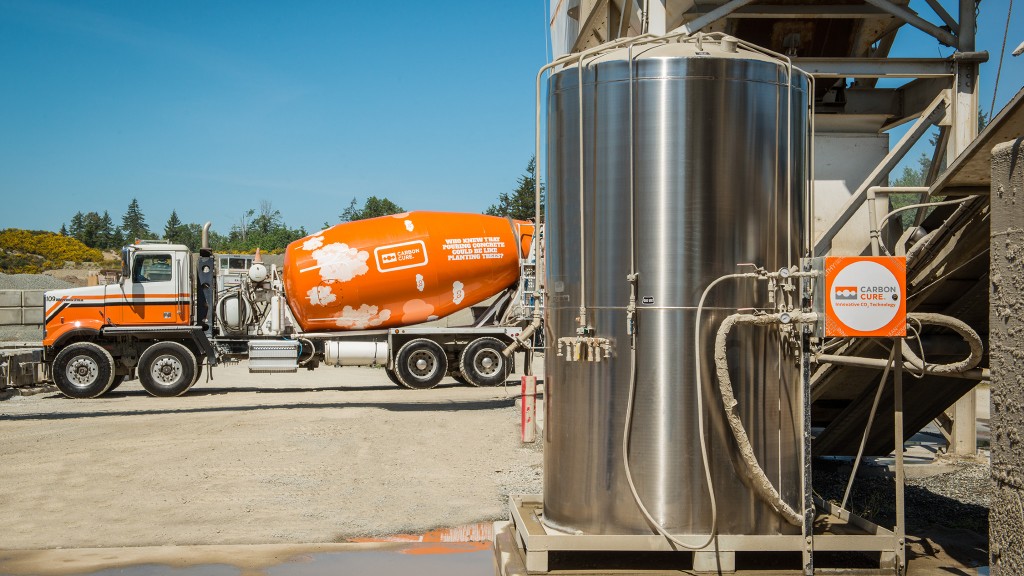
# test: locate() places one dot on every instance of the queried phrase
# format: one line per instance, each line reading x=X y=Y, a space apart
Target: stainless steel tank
x=712 y=147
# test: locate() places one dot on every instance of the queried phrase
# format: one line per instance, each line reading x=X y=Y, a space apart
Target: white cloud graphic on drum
x=846 y=292
x=457 y=292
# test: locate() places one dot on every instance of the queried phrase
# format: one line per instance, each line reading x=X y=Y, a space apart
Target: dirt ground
x=291 y=461
x=321 y=456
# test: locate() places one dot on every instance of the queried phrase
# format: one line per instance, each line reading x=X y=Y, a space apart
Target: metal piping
x=930 y=237
x=809 y=240
x=875 y=228
x=874 y=224
x=539 y=292
x=979 y=374
x=789 y=133
x=206 y=235
x=582 y=329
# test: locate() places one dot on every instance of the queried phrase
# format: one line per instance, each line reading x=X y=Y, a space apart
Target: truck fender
x=80 y=329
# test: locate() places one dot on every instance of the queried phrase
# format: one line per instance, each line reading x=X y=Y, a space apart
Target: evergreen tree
x=63 y=230
x=134 y=223
x=76 y=225
x=521 y=203
x=107 y=236
x=117 y=238
x=173 y=229
x=91 y=231
x=372 y=208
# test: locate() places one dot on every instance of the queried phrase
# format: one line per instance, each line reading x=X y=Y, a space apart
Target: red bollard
x=529 y=407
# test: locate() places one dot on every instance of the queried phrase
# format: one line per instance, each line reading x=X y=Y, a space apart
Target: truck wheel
x=117 y=382
x=83 y=370
x=458 y=377
x=167 y=369
x=421 y=364
x=482 y=363
x=394 y=378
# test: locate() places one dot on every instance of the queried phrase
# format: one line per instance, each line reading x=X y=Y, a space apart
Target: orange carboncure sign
x=401 y=269
x=866 y=296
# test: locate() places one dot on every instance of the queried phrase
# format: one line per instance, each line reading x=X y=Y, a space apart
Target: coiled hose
x=958 y=326
x=752 y=470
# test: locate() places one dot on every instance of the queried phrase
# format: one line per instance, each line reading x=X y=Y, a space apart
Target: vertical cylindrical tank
x=713 y=137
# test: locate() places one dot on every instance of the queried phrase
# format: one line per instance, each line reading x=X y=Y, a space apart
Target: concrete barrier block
x=10 y=316
x=10 y=298
x=32 y=316
x=32 y=298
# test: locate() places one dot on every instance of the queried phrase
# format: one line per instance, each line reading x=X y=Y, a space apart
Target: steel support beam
x=802 y=11
x=941 y=13
x=657 y=19
x=965 y=130
x=916 y=21
x=876 y=67
x=713 y=16
x=900 y=528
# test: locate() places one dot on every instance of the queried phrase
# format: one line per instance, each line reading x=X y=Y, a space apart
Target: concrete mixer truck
x=355 y=294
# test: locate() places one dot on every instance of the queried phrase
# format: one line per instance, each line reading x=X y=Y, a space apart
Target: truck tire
x=482 y=363
x=394 y=378
x=83 y=370
x=117 y=382
x=458 y=377
x=167 y=369
x=421 y=364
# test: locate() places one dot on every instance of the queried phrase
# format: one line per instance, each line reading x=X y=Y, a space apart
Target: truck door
x=158 y=291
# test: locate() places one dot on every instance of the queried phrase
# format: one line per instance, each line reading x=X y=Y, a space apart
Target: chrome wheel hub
x=422 y=364
x=487 y=362
x=166 y=369
x=82 y=371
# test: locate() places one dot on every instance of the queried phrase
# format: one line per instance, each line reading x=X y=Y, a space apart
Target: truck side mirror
x=126 y=268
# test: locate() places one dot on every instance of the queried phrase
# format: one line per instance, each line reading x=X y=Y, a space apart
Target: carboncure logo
x=867 y=293
x=865 y=296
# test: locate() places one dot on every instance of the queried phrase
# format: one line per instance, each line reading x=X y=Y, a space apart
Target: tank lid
x=688 y=47
x=681 y=57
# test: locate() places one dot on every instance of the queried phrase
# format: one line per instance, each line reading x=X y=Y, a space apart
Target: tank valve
x=584 y=348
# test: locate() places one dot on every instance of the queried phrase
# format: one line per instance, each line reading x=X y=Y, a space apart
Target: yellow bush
x=50 y=246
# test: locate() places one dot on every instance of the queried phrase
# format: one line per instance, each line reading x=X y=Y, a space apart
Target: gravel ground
x=31 y=282
x=320 y=456
x=956 y=500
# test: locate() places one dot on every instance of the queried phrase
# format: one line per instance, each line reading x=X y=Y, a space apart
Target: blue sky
x=210 y=107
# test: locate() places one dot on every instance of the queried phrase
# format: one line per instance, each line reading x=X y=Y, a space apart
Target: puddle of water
x=454 y=540
x=458 y=551
x=452 y=559
x=435 y=563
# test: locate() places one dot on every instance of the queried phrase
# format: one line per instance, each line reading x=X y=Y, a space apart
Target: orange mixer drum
x=401 y=269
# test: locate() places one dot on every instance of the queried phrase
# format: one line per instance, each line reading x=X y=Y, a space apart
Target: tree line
x=260 y=227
